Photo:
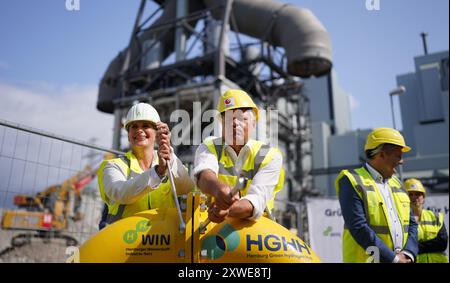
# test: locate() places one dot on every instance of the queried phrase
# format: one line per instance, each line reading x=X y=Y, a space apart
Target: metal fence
x=43 y=174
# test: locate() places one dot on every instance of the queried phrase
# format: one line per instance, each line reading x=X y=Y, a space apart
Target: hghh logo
x=131 y=236
x=373 y=5
x=73 y=5
x=226 y=240
x=275 y=243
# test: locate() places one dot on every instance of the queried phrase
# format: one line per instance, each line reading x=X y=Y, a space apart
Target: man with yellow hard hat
x=375 y=205
x=220 y=161
x=432 y=234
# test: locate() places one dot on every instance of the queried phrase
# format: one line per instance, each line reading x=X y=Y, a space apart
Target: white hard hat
x=142 y=112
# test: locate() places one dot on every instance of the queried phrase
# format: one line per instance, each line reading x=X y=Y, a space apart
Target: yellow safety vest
x=161 y=197
x=375 y=211
x=259 y=155
x=429 y=227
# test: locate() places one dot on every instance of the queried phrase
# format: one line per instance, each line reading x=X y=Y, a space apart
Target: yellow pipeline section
x=154 y=236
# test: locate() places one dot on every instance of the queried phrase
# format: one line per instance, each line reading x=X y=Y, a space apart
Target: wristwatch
x=164 y=177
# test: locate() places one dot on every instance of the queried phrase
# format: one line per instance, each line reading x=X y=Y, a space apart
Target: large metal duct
x=297 y=30
x=110 y=85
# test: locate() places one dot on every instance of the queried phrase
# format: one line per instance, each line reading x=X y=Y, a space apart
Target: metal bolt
x=182 y=228
x=181 y=253
x=204 y=253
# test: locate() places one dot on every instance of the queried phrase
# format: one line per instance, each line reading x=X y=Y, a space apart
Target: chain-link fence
x=49 y=196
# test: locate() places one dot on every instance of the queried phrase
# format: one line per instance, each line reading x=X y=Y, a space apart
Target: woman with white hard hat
x=137 y=181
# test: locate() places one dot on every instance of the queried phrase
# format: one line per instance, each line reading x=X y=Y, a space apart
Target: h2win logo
x=131 y=236
x=226 y=240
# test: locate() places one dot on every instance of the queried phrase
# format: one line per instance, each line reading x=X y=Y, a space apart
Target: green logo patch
x=143 y=226
x=131 y=236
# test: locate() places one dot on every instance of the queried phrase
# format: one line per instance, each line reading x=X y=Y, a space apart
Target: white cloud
x=68 y=110
x=353 y=102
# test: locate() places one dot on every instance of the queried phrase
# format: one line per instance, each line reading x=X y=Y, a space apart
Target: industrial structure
x=330 y=124
x=190 y=52
x=424 y=109
x=182 y=56
x=424 y=113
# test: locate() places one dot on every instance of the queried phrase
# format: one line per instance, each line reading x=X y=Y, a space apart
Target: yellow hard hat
x=385 y=135
x=414 y=185
x=234 y=99
x=142 y=112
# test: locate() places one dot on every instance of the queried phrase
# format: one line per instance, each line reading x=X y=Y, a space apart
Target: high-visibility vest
x=161 y=197
x=259 y=155
x=375 y=211
x=429 y=226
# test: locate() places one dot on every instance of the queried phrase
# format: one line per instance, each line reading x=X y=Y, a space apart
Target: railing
x=46 y=167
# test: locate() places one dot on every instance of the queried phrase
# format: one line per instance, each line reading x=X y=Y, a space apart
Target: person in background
x=375 y=205
x=432 y=235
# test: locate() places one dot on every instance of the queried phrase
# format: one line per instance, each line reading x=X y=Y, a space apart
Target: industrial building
x=181 y=57
x=424 y=109
x=424 y=114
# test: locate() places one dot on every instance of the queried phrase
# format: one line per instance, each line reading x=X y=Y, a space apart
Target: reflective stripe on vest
x=364 y=189
x=429 y=225
x=375 y=211
x=111 y=218
x=157 y=198
x=259 y=155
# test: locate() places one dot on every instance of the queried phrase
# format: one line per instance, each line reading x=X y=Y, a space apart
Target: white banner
x=326 y=224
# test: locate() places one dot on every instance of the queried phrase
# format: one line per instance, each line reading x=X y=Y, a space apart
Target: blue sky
x=51 y=59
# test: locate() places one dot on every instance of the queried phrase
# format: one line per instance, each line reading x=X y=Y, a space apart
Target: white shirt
x=262 y=187
x=393 y=219
x=120 y=189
